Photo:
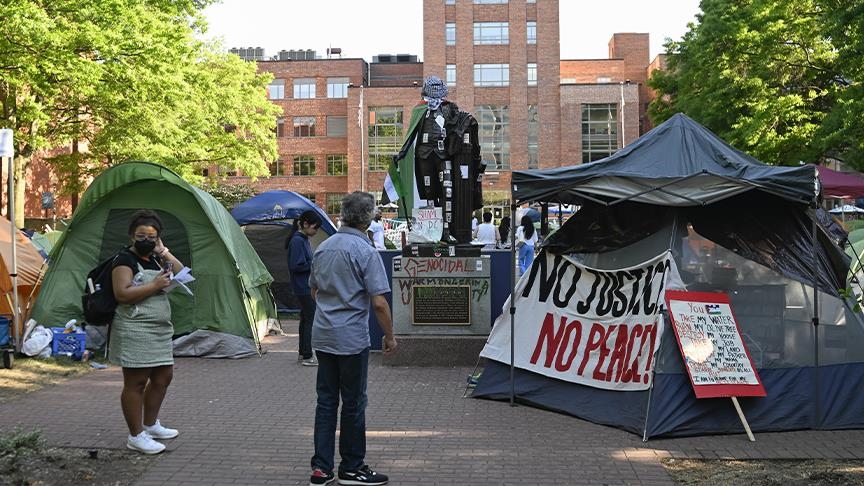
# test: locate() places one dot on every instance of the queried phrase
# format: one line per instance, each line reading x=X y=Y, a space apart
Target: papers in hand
x=180 y=279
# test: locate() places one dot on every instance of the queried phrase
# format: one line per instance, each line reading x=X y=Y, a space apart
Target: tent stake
x=743 y=419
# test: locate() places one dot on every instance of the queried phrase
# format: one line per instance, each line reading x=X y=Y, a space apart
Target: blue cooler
x=4 y=331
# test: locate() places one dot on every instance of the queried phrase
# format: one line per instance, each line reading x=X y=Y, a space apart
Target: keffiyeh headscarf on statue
x=434 y=92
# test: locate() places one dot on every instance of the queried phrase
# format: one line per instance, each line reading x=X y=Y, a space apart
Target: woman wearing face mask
x=142 y=330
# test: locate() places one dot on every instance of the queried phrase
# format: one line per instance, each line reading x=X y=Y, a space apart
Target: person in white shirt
x=376 y=232
x=486 y=232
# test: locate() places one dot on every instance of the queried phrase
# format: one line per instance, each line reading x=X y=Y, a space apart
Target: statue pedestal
x=441 y=306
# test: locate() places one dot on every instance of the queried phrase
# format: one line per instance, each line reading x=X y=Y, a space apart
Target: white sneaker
x=144 y=443
x=157 y=431
x=310 y=361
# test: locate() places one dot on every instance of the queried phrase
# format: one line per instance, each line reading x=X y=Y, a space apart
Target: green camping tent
x=231 y=307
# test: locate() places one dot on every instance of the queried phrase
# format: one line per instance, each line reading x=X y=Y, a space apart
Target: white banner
x=584 y=325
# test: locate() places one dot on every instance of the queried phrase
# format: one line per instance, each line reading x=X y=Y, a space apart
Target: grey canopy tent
x=782 y=267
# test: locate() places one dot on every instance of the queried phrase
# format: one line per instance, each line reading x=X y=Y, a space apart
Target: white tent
x=846 y=208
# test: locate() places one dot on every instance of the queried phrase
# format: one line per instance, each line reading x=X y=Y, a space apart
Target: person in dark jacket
x=300 y=265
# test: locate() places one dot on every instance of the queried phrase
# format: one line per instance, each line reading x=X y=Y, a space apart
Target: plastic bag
x=40 y=338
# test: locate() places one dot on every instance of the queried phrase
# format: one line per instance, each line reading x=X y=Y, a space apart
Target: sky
x=366 y=29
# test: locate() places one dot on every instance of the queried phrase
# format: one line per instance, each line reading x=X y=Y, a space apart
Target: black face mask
x=145 y=247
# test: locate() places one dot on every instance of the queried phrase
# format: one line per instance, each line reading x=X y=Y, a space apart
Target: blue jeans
x=307 y=316
x=345 y=376
x=526 y=258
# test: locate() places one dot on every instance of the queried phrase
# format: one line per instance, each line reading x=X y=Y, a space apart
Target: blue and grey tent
x=267 y=220
x=766 y=244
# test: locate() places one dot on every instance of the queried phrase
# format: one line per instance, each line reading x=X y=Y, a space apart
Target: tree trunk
x=20 y=170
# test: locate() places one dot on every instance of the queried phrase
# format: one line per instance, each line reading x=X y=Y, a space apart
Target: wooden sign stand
x=704 y=325
x=743 y=419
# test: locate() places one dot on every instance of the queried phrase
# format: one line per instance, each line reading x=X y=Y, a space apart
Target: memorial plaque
x=441 y=304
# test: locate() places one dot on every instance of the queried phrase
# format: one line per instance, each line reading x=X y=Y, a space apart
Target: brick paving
x=249 y=422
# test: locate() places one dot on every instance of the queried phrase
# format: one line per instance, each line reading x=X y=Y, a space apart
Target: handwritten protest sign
x=427 y=226
x=710 y=341
x=585 y=325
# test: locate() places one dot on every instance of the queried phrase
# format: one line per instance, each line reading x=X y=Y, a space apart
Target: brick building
x=501 y=61
x=343 y=119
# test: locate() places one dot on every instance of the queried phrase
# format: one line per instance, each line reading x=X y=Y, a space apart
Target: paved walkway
x=250 y=422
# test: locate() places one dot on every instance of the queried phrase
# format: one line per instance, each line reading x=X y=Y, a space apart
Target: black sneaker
x=362 y=476
x=319 y=477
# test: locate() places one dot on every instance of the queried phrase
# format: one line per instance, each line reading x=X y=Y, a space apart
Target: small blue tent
x=267 y=220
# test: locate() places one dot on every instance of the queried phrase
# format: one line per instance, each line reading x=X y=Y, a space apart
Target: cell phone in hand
x=168 y=267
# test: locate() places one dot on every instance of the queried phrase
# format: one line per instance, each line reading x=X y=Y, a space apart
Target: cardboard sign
x=709 y=339
x=427 y=225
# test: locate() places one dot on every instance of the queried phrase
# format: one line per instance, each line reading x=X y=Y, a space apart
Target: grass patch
x=30 y=374
x=27 y=459
x=779 y=472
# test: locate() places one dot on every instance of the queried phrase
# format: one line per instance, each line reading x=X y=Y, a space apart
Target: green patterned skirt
x=141 y=334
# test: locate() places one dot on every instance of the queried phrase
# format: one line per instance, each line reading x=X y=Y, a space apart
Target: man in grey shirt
x=347 y=278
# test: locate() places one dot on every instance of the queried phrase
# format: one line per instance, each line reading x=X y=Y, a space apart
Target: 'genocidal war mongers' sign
x=584 y=325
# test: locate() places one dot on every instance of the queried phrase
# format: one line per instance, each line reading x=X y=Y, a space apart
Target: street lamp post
x=623 y=139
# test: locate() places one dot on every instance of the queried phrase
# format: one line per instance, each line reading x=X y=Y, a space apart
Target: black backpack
x=98 y=302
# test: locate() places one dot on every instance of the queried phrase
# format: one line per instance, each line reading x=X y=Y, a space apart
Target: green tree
x=761 y=74
x=842 y=133
x=127 y=79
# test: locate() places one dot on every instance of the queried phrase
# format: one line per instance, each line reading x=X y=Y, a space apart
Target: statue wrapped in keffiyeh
x=441 y=158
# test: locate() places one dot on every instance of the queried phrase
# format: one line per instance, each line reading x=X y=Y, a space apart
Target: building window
x=491 y=75
x=450 y=34
x=481 y=2
x=450 y=71
x=599 y=131
x=280 y=127
x=531 y=30
x=337 y=126
x=276 y=89
x=334 y=202
x=494 y=33
x=304 y=126
x=337 y=87
x=494 y=134
x=449 y=2
x=337 y=165
x=532 y=74
x=385 y=136
x=310 y=197
x=304 y=165
x=304 y=88
x=277 y=168
x=531 y=1
x=533 y=137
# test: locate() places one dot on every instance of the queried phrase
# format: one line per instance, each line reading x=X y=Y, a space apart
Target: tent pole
x=659 y=338
x=512 y=304
x=817 y=407
x=16 y=317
